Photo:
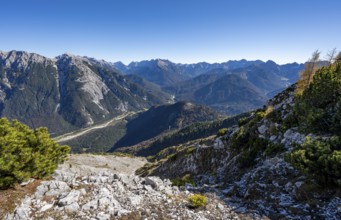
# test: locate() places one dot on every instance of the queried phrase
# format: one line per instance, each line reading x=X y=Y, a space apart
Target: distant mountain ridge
x=69 y=92
x=155 y=66
x=260 y=80
x=160 y=72
x=196 y=69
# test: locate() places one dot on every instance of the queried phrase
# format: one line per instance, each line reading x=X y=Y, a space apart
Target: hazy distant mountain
x=67 y=92
x=185 y=81
x=185 y=90
x=160 y=72
x=197 y=69
x=167 y=73
x=151 y=88
x=254 y=84
x=146 y=68
x=231 y=94
x=269 y=76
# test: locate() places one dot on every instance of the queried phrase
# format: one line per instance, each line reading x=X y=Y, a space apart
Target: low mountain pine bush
x=25 y=153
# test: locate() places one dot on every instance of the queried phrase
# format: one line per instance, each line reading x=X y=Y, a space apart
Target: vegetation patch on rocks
x=197 y=200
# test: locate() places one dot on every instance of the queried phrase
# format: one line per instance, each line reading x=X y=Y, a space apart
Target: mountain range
x=70 y=92
x=192 y=82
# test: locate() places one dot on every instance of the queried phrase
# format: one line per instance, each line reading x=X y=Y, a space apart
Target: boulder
x=91 y=205
x=104 y=192
x=118 y=187
x=262 y=129
x=22 y=212
x=104 y=202
x=153 y=181
x=74 y=207
x=103 y=216
x=218 y=144
x=51 y=188
x=72 y=197
x=46 y=207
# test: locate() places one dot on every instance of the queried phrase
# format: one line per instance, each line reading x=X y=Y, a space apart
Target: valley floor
x=105 y=187
x=75 y=134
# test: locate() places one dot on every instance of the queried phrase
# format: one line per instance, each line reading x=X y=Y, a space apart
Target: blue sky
x=183 y=31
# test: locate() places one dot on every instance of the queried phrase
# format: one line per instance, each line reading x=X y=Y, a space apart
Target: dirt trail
x=74 y=134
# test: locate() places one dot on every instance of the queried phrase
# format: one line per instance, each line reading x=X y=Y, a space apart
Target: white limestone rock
x=72 y=197
x=262 y=129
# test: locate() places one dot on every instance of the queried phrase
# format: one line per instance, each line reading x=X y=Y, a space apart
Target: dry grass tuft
x=9 y=198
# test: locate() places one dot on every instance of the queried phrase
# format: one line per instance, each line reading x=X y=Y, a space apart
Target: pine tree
x=338 y=57
x=25 y=153
x=330 y=57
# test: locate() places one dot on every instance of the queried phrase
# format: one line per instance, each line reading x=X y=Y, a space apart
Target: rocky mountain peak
x=270 y=62
x=68 y=55
x=162 y=63
x=22 y=59
x=92 y=82
x=121 y=67
x=70 y=59
x=102 y=63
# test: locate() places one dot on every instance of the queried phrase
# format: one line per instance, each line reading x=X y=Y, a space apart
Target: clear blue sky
x=184 y=31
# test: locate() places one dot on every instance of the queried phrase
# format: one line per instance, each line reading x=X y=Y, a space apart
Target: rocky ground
x=104 y=187
x=269 y=187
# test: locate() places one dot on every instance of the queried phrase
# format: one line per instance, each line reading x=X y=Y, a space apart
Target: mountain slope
x=269 y=76
x=151 y=88
x=163 y=118
x=278 y=162
x=67 y=92
x=29 y=88
x=202 y=130
x=230 y=93
x=185 y=90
